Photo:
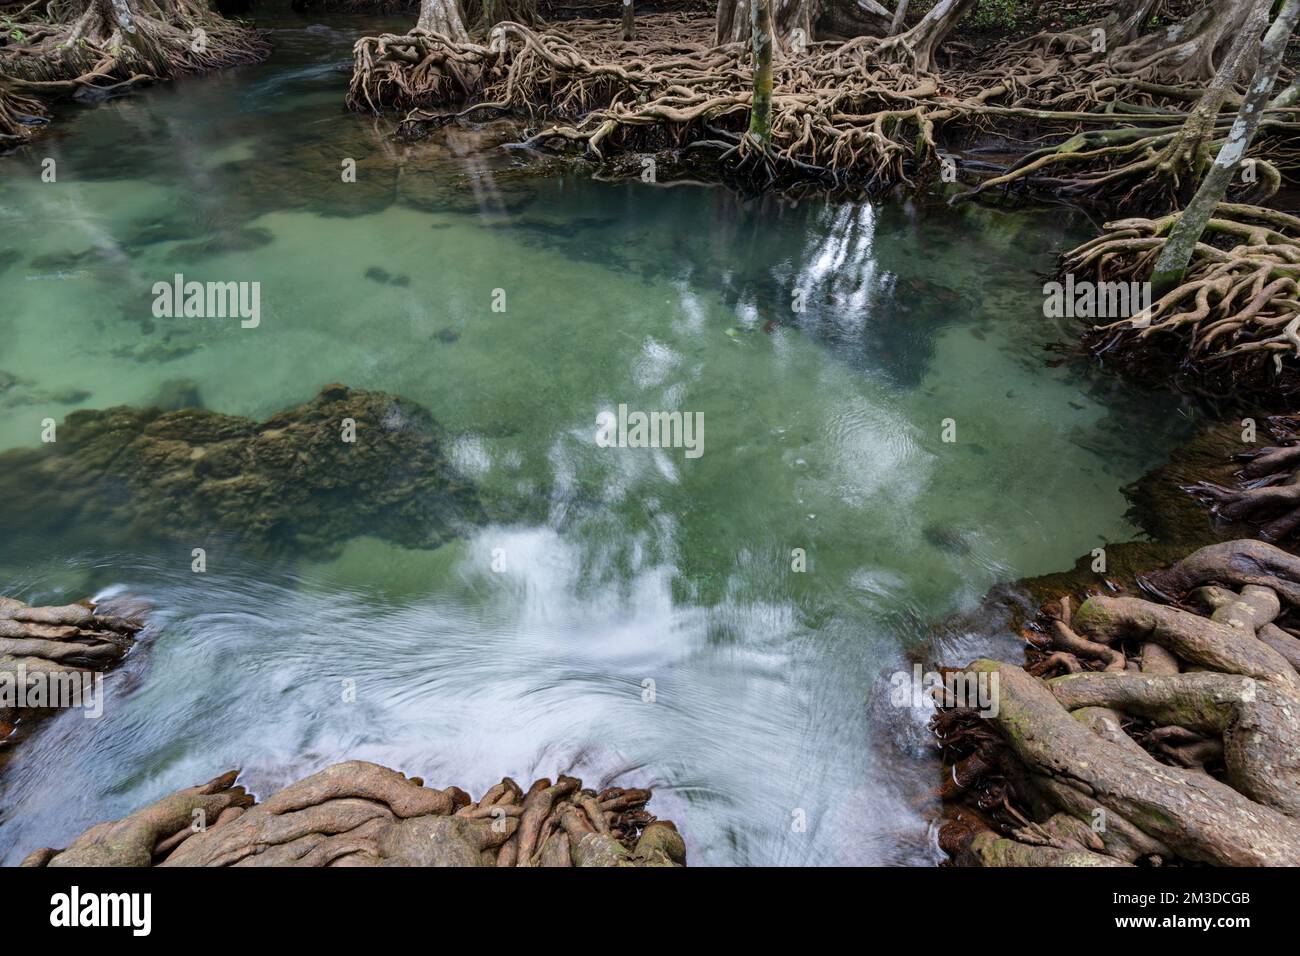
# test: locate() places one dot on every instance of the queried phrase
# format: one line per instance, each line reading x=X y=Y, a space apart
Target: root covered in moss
x=1141 y=731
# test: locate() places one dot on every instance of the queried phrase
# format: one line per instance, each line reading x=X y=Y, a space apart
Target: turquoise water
x=823 y=432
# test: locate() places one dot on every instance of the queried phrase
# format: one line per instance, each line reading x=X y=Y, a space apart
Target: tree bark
x=1130 y=21
x=629 y=21
x=442 y=17
x=1188 y=51
x=900 y=17
x=1186 y=232
x=1207 y=821
x=787 y=16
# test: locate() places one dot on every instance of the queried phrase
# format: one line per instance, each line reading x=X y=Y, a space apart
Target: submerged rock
x=176 y=393
x=362 y=814
x=347 y=463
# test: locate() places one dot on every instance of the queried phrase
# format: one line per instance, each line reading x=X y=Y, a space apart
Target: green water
x=823 y=432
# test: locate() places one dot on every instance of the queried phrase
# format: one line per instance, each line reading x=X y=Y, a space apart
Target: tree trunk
x=1186 y=232
x=442 y=17
x=629 y=21
x=852 y=18
x=1188 y=51
x=760 y=113
x=900 y=17
x=1130 y=21
x=787 y=16
x=917 y=47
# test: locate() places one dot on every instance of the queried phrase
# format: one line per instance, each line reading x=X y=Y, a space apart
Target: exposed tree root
x=869 y=111
x=19 y=114
x=1171 y=735
x=362 y=814
x=1235 y=320
x=100 y=47
x=47 y=655
x=1267 y=492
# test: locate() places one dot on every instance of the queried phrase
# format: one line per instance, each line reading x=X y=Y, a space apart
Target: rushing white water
x=625 y=571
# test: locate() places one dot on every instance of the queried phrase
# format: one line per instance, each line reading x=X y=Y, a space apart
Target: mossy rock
x=290 y=483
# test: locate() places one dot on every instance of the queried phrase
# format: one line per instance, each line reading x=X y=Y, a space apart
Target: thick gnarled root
x=362 y=814
x=1140 y=733
x=49 y=654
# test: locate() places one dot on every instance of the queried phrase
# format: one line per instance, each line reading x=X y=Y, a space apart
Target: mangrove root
x=362 y=814
x=1171 y=735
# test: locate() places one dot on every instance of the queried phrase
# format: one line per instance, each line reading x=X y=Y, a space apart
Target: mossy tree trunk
x=760 y=115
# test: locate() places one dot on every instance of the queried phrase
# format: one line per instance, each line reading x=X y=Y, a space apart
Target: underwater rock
x=362 y=814
x=70 y=395
x=176 y=393
x=243 y=239
x=345 y=464
x=384 y=277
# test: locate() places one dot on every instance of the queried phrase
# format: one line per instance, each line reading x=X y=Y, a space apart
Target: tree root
x=867 y=112
x=1191 y=756
x=1235 y=320
x=362 y=814
x=102 y=47
x=47 y=655
x=20 y=115
x=1268 y=489
x=50 y=658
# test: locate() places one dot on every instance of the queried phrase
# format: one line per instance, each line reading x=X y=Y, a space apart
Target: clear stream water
x=822 y=432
